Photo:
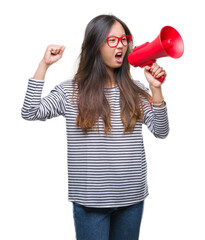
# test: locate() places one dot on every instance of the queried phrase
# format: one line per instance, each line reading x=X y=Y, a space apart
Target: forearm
x=41 y=71
x=157 y=96
x=156 y=119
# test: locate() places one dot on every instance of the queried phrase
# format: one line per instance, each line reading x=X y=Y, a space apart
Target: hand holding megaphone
x=168 y=43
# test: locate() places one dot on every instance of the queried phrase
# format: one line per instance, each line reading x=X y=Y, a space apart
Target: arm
x=35 y=108
x=52 y=54
x=156 y=118
x=155 y=85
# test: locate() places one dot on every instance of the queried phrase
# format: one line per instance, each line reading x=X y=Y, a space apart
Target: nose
x=119 y=45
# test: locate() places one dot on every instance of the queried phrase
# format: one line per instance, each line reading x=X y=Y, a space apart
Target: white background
x=33 y=164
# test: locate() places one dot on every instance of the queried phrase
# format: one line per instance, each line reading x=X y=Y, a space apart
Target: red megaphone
x=168 y=43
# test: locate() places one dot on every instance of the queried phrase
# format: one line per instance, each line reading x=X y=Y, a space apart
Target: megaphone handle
x=161 y=79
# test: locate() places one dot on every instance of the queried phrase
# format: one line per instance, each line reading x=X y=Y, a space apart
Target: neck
x=111 y=81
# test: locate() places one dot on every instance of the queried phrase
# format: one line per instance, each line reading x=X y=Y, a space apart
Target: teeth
x=119 y=54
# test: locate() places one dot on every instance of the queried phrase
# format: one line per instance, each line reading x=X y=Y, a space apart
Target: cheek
x=107 y=54
x=107 y=58
x=125 y=50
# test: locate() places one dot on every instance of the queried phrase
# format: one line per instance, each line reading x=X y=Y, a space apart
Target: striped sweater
x=103 y=171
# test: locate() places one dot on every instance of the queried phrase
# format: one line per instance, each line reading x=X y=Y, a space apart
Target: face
x=113 y=57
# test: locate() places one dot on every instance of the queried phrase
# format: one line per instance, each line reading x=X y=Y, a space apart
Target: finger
x=52 y=50
x=163 y=73
x=62 y=48
x=55 y=49
x=147 y=68
x=59 y=52
x=154 y=65
x=158 y=71
x=154 y=68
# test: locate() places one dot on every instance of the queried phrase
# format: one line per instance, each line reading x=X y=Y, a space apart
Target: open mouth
x=119 y=57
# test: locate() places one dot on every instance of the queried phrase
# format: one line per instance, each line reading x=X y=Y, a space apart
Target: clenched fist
x=156 y=72
x=53 y=53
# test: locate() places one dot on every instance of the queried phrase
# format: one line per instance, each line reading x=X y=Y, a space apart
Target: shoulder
x=68 y=84
x=141 y=85
x=67 y=87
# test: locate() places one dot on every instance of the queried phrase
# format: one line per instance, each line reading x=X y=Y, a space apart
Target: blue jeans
x=118 y=223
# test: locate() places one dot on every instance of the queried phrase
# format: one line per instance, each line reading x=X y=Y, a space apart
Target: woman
x=104 y=110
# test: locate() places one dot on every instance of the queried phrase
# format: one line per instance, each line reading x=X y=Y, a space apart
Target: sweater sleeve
x=156 y=119
x=37 y=108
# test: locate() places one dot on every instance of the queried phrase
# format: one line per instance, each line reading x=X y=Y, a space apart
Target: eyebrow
x=116 y=36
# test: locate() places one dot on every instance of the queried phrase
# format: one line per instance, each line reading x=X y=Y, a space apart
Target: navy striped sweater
x=103 y=171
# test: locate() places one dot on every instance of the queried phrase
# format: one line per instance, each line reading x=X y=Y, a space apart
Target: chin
x=117 y=65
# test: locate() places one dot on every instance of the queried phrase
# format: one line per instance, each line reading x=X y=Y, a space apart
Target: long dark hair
x=92 y=75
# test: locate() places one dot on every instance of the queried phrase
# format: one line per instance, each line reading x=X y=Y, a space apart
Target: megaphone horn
x=168 y=43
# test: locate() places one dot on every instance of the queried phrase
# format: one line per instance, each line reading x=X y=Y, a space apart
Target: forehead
x=116 y=30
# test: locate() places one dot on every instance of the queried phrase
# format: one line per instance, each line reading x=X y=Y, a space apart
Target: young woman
x=104 y=110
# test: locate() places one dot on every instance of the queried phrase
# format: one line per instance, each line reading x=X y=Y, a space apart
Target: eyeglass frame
x=119 y=39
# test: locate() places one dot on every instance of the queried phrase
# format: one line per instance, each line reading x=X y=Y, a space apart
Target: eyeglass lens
x=113 y=41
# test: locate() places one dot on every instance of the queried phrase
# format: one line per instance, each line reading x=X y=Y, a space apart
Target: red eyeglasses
x=113 y=41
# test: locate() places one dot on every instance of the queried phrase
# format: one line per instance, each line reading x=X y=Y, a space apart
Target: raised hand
x=53 y=53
